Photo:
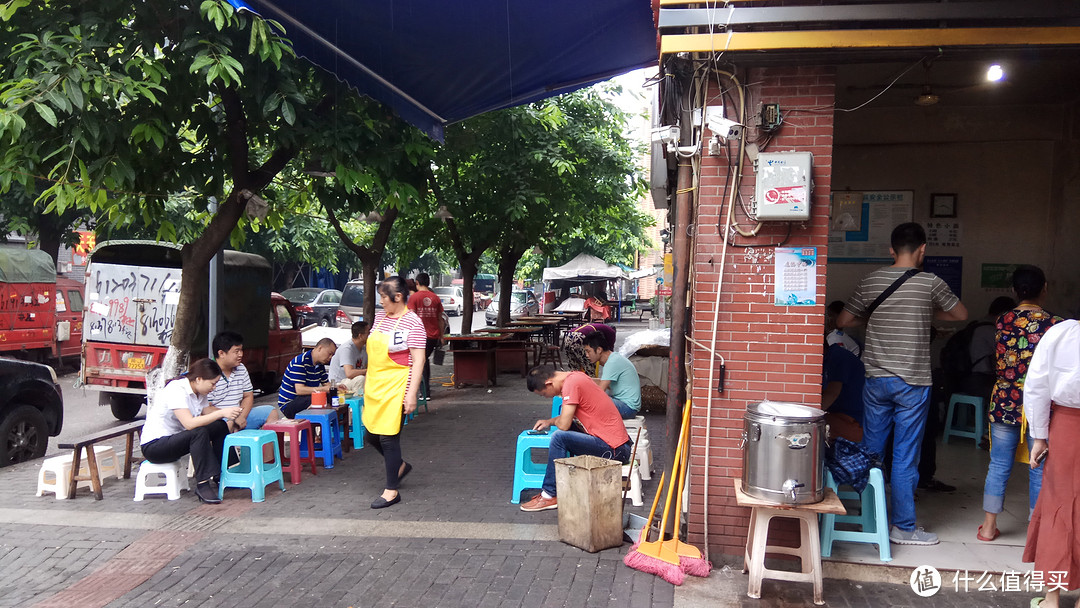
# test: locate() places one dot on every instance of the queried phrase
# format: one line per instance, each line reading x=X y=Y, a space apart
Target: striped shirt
x=898 y=333
x=230 y=389
x=301 y=370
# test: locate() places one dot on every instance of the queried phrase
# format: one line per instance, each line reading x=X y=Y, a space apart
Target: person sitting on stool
x=619 y=377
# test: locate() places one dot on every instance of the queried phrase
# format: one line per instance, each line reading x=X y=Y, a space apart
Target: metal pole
x=217 y=270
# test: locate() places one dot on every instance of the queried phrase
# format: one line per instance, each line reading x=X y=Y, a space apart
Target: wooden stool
x=808 y=551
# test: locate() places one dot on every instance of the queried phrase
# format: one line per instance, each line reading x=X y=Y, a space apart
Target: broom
x=690 y=559
x=655 y=557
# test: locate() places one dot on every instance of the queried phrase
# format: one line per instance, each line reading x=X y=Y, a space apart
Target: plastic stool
x=423 y=396
x=632 y=471
x=328 y=443
x=979 y=406
x=60 y=469
x=293 y=464
x=251 y=472
x=528 y=474
x=871 y=519
x=356 y=430
x=643 y=457
x=175 y=479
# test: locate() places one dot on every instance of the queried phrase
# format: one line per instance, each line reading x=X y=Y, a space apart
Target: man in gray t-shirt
x=349 y=365
x=896 y=395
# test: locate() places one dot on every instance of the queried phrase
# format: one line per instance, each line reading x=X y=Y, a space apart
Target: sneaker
x=936 y=486
x=918 y=536
x=539 y=503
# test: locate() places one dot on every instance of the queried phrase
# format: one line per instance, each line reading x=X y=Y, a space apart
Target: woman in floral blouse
x=1018 y=332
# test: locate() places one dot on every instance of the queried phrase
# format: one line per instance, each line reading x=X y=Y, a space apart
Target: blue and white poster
x=796 y=276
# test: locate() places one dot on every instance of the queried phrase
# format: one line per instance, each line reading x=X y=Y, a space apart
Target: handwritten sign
x=132 y=304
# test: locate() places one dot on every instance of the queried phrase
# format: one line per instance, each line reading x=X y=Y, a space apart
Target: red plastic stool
x=293 y=463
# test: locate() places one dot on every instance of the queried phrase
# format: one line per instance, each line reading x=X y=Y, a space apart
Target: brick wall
x=771 y=351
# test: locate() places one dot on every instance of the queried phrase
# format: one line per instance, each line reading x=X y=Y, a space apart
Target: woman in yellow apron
x=395 y=350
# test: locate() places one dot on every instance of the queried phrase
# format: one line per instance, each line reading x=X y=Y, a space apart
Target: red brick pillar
x=771 y=351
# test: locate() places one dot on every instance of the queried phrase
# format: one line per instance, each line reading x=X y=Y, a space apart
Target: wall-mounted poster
x=881 y=211
x=950 y=268
x=943 y=233
x=796 y=276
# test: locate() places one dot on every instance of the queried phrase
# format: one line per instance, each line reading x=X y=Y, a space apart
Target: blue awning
x=437 y=61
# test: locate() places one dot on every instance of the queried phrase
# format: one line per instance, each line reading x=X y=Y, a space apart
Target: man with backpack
x=967 y=359
x=898 y=304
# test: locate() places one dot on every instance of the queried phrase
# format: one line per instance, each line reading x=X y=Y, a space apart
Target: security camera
x=726 y=128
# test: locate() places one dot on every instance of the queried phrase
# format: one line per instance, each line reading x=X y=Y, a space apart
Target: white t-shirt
x=161 y=421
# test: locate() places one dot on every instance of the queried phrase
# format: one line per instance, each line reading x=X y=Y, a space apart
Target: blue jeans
x=258 y=415
x=1003 y=441
x=890 y=404
x=573 y=443
x=627 y=412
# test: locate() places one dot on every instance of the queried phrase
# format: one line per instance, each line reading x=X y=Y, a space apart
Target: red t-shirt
x=428 y=307
x=595 y=410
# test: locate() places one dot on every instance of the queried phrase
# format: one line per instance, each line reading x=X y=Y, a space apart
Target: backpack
x=956 y=360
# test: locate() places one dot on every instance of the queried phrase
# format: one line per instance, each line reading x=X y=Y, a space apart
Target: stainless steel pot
x=783 y=453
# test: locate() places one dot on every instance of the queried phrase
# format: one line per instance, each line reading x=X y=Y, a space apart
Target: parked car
x=314 y=305
x=452 y=298
x=31 y=410
x=522 y=304
x=352 y=303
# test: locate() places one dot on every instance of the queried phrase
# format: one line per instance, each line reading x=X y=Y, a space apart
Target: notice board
x=879 y=212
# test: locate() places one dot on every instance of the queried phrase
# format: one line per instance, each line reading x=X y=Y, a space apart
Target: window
x=75 y=302
x=353 y=295
x=284 y=319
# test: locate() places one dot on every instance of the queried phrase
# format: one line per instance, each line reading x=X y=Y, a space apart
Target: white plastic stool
x=643 y=456
x=55 y=473
x=633 y=472
x=174 y=479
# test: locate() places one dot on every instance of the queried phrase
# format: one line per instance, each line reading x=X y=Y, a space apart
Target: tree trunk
x=468 y=274
x=370 y=266
x=507 y=265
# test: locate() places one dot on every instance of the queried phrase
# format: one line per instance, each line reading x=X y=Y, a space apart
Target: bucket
x=590 y=502
x=318 y=399
x=783 y=453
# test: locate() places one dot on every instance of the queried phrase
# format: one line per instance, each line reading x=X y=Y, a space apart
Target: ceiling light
x=995 y=73
x=927 y=98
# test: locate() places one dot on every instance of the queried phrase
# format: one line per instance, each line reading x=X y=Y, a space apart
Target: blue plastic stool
x=423 y=396
x=528 y=474
x=329 y=442
x=251 y=472
x=872 y=519
x=978 y=404
x=356 y=431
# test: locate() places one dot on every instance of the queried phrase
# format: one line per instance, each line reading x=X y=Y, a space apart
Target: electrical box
x=783 y=186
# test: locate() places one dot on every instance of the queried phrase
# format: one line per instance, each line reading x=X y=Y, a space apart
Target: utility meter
x=783 y=186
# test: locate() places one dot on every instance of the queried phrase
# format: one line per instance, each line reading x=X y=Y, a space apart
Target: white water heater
x=783 y=186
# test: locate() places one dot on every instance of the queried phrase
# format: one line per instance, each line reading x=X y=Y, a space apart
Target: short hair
x=423 y=279
x=596 y=340
x=835 y=307
x=359 y=328
x=204 y=368
x=1028 y=281
x=326 y=343
x=224 y=341
x=538 y=377
x=908 y=237
x=394 y=286
x=1001 y=304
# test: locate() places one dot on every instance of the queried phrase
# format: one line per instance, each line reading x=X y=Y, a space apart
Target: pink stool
x=293 y=463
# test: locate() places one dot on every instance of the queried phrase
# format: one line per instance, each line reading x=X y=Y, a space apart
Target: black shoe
x=205 y=494
x=936 y=486
x=382 y=503
x=408 y=468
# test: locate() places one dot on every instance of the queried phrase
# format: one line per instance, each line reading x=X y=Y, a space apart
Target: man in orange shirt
x=426 y=304
x=604 y=436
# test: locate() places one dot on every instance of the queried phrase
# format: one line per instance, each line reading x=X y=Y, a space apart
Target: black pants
x=432 y=344
x=204 y=443
x=294 y=407
x=390 y=448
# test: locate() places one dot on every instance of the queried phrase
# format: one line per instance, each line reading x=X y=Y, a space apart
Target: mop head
x=694 y=566
x=639 y=561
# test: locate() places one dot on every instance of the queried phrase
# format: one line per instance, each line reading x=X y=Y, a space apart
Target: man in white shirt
x=234 y=389
x=348 y=366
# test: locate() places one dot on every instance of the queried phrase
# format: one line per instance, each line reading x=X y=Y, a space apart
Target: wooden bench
x=88 y=442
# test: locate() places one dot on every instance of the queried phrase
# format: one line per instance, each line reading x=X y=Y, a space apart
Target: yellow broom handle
x=652 y=511
x=671 y=482
x=684 y=439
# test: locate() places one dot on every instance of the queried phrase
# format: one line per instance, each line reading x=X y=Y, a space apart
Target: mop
x=656 y=557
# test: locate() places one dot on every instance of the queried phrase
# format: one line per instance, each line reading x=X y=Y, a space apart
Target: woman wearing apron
x=395 y=350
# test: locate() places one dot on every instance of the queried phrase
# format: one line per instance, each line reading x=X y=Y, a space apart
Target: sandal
x=1036 y=602
x=990 y=539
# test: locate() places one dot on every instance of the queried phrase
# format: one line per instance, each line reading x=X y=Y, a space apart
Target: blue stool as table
x=871 y=519
x=328 y=442
x=978 y=404
x=251 y=472
x=356 y=430
x=528 y=474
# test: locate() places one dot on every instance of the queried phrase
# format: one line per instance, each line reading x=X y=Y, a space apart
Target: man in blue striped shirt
x=305 y=374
